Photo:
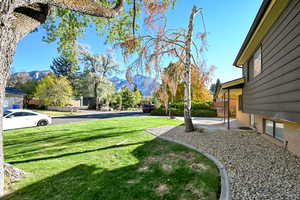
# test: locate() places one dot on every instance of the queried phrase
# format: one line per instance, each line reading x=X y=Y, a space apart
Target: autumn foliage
x=172 y=87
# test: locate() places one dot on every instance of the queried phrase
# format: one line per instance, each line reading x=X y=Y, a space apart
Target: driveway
x=91 y=116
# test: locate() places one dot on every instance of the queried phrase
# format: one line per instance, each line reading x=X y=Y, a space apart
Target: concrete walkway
x=257 y=169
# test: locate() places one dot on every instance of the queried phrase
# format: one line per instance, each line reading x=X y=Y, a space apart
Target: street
x=91 y=116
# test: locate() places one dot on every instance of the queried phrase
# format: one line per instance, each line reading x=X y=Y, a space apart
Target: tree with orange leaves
x=178 y=44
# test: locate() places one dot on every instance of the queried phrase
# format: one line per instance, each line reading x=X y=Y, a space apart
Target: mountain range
x=33 y=75
x=145 y=84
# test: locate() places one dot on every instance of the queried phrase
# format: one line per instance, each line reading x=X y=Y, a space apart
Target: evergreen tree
x=61 y=66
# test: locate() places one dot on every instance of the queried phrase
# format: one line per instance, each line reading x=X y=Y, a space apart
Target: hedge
x=198 y=110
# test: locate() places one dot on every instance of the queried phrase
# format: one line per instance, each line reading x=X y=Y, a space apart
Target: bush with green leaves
x=54 y=91
x=198 y=110
x=128 y=98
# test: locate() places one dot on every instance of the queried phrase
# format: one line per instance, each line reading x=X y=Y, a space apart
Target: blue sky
x=227 y=22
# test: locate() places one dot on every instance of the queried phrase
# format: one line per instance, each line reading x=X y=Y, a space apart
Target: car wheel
x=42 y=123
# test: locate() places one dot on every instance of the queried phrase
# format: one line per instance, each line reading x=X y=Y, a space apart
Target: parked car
x=19 y=118
x=147 y=108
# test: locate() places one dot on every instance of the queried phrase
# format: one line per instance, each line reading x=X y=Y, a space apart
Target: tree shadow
x=74 y=153
x=64 y=139
x=48 y=138
x=135 y=181
x=98 y=116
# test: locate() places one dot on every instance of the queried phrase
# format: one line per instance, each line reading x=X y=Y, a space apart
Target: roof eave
x=254 y=25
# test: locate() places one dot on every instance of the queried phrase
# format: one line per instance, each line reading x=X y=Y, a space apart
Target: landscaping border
x=225 y=183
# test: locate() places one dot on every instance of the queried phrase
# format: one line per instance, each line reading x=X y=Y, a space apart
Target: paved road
x=91 y=116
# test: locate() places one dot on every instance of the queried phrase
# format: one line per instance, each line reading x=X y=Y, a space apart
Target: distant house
x=270 y=59
x=221 y=98
x=13 y=98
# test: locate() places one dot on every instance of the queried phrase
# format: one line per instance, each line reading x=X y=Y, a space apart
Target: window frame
x=273 y=134
x=248 y=69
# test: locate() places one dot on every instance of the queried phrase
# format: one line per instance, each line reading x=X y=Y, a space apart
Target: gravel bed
x=257 y=168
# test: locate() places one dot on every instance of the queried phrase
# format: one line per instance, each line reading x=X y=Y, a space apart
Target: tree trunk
x=17 y=19
x=187 y=76
x=96 y=95
x=8 y=42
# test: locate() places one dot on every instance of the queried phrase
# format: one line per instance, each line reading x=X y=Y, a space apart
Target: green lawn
x=107 y=159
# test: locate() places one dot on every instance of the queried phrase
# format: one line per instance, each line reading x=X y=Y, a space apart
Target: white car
x=18 y=118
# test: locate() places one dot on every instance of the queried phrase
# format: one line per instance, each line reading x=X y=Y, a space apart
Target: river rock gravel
x=257 y=168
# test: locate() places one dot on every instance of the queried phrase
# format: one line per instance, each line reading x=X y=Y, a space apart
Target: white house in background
x=13 y=98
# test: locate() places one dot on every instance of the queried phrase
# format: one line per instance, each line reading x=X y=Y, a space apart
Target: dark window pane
x=269 y=125
x=18 y=114
x=28 y=114
x=6 y=112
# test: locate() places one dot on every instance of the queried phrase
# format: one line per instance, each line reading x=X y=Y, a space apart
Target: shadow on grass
x=145 y=179
x=62 y=136
x=69 y=139
x=99 y=115
x=74 y=153
x=139 y=181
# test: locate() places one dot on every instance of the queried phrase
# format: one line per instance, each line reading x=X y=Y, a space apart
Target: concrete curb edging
x=225 y=183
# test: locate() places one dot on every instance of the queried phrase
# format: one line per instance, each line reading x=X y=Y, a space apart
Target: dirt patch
x=167 y=167
x=166 y=158
x=169 y=161
x=191 y=188
x=198 y=166
x=162 y=189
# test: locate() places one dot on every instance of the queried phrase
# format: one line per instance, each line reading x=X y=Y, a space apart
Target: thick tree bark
x=187 y=76
x=20 y=17
x=8 y=42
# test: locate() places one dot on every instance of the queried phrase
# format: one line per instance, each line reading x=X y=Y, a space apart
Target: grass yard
x=107 y=159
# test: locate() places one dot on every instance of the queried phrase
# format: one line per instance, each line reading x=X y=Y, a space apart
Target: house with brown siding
x=222 y=102
x=270 y=60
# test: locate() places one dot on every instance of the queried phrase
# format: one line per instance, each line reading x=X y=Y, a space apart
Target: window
x=28 y=114
x=279 y=130
x=23 y=114
x=6 y=112
x=17 y=114
x=269 y=127
x=257 y=62
x=274 y=129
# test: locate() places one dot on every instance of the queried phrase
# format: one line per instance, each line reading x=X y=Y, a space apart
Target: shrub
x=158 y=111
x=54 y=91
x=198 y=110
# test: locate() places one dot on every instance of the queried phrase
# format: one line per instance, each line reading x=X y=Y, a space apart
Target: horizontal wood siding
x=275 y=92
